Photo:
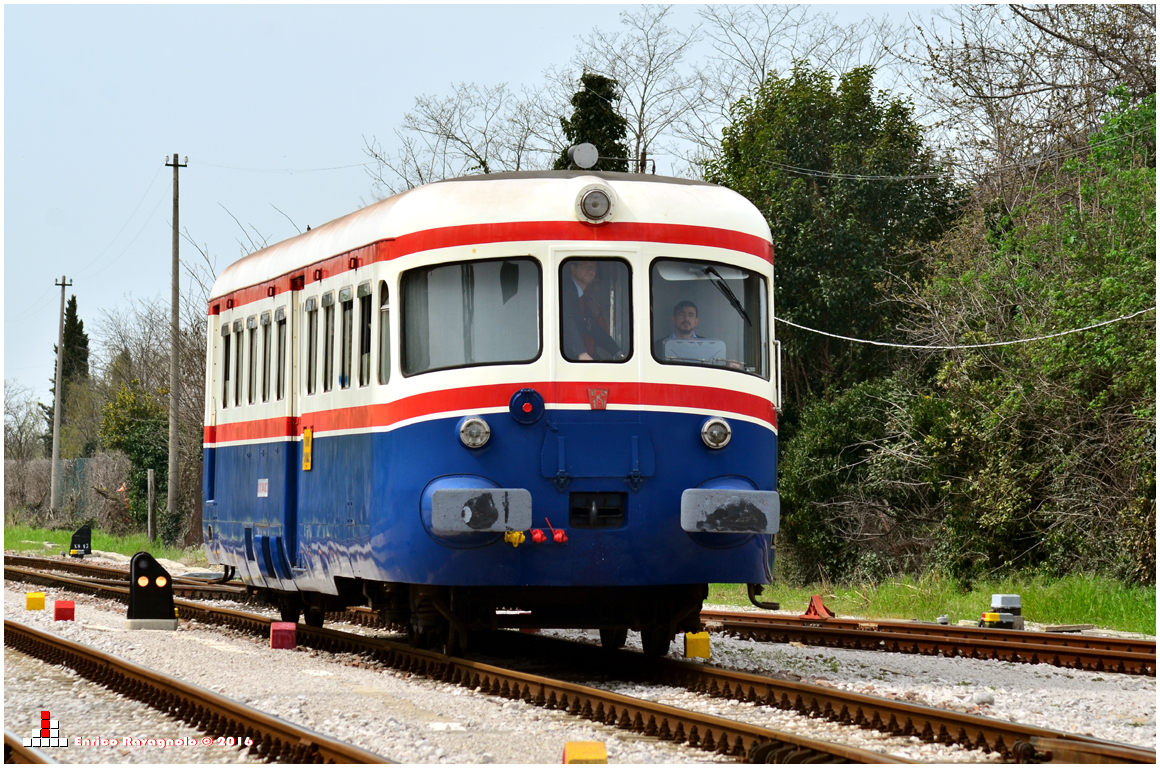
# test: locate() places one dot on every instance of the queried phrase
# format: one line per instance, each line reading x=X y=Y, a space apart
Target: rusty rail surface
x=888 y=715
x=1096 y=654
x=197 y=589
x=274 y=740
x=16 y=752
x=707 y=732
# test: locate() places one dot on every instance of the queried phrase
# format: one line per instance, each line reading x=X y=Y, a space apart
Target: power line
x=122 y=229
x=964 y=346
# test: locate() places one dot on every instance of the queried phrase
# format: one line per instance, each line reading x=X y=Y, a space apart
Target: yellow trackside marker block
x=34 y=601
x=590 y=752
x=696 y=645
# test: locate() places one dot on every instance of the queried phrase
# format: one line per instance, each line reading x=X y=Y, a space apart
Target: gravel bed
x=408 y=719
x=1108 y=706
x=87 y=710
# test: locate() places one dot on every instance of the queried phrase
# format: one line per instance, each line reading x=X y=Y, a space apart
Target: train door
x=288 y=382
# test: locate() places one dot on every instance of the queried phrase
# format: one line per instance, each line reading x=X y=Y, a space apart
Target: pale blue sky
x=96 y=96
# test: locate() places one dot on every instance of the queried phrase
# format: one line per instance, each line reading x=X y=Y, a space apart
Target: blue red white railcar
x=528 y=399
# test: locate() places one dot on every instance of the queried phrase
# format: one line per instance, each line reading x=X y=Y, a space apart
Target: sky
x=259 y=97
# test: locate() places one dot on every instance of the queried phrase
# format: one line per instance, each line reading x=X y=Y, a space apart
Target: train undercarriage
x=445 y=618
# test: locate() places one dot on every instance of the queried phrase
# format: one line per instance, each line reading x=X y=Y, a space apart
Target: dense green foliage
x=841 y=243
x=596 y=121
x=972 y=462
x=135 y=424
x=74 y=361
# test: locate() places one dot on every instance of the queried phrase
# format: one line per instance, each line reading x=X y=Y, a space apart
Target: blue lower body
x=358 y=512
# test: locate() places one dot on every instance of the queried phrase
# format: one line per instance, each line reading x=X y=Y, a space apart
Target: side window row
x=254 y=367
x=242 y=343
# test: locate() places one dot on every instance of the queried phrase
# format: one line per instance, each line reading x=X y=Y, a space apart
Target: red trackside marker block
x=283 y=634
x=64 y=610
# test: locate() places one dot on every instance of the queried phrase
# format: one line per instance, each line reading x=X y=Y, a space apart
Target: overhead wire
x=285 y=170
x=122 y=229
x=964 y=346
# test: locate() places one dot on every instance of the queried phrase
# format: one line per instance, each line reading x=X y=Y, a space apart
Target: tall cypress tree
x=75 y=365
x=596 y=121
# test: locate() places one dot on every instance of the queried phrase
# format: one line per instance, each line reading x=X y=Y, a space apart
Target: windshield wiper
x=728 y=293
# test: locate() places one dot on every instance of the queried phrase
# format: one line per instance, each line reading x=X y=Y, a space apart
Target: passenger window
x=344 y=369
x=238 y=367
x=311 y=345
x=251 y=392
x=384 y=334
x=595 y=310
x=471 y=313
x=280 y=317
x=265 y=323
x=709 y=314
x=226 y=365
x=364 y=334
x=328 y=341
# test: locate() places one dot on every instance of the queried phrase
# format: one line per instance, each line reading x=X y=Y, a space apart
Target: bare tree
x=751 y=41
x=647 y=59
x=1016 y=86
x=23 y=422
x=475 y=129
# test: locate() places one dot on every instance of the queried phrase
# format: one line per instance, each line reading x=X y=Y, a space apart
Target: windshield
x=709 y=314
x=471 y=313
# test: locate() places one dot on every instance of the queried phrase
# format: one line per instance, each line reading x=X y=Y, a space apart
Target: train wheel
x=315 y=616
x=655 y=642
x=611 y=639
x=290 y=608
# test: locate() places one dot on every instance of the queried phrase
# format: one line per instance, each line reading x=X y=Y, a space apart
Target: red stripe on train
x=494 y=396
x=468 y=234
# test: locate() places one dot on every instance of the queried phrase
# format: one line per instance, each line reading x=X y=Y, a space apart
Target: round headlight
x=474 y=432
x=595 y=204
x=716 y=433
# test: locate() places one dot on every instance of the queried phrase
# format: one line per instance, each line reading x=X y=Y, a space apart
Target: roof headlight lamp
x=716 y=433
x=594 y=204
x=474 y=432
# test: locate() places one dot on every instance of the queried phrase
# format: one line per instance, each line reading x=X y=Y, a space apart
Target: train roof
x=520 y=196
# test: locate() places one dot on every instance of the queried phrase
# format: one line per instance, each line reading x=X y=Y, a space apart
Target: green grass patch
x=1074 y=599
x=31 y=541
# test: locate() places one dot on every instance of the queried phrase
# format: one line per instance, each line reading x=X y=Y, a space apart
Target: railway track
x=270 y=738
x=1088 y=652
x=707 y=732
x=16 y=752
x=1010 y=740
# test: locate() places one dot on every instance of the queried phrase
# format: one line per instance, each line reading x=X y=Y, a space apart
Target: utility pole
x=54 y=492
x=173 y=339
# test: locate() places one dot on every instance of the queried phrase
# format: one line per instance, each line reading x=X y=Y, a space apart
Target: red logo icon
x=598 y=399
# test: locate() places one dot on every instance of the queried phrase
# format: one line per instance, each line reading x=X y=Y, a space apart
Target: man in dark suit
x=584 y=336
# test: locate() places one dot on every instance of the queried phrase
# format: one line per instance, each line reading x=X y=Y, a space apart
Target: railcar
x=536 y=399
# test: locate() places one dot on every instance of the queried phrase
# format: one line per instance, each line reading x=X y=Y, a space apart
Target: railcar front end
x=512 y=400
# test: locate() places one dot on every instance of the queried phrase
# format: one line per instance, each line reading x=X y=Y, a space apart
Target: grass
x=1074 y=599
x=31 y=541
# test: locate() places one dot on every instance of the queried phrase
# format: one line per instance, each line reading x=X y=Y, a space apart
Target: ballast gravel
x=403 y=718
x=411 y=719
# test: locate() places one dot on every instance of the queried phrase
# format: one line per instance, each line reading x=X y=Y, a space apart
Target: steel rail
x=933 y=643
x=1094 y=642
x=896 y=717
x=112 y=577
x=16 y=752
x=274 y=740
x=707 y=732
x=889 y=715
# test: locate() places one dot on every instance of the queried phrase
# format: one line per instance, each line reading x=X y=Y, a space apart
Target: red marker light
x=558 y=536
x=527 y=407
x=538 y=536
